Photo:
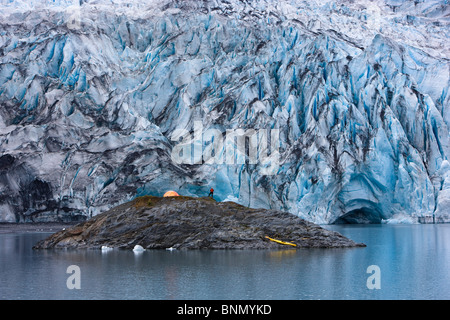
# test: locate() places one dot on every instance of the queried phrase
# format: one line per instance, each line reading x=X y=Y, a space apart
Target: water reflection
x=414 y=263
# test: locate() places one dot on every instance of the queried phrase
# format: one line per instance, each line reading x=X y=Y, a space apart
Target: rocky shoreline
x=193 y=223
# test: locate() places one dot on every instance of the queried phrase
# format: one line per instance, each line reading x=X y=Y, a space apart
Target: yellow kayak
x=282 y=242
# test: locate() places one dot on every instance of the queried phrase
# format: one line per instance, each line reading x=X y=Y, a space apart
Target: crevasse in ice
x=92 y=92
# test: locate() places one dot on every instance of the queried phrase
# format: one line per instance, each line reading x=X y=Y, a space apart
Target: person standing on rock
x=211 y=193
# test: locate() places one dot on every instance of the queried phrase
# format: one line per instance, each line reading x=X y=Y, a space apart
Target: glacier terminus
x=95 y=96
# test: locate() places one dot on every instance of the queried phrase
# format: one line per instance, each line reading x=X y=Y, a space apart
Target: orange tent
x=171 y=194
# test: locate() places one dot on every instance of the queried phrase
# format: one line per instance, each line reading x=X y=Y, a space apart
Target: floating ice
x=401 y=219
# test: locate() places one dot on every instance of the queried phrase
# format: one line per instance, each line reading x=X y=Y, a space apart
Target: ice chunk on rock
x=138 y=248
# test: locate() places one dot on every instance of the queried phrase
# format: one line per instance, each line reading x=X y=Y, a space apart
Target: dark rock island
x=194 y=223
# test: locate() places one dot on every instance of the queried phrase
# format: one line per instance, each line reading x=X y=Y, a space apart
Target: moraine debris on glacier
x=192 y=223
x=91 y=94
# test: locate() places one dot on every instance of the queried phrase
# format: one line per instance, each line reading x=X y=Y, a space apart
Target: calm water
x=414 y=262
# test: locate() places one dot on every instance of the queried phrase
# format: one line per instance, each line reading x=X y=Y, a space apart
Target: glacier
x=92 y=92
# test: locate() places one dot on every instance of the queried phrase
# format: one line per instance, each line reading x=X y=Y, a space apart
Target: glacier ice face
x=91 y=93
